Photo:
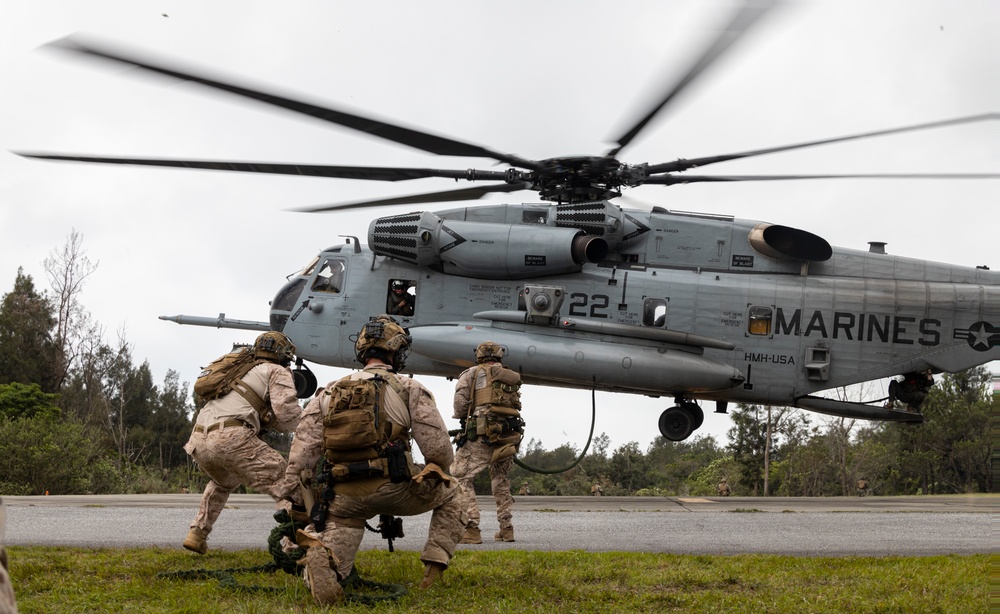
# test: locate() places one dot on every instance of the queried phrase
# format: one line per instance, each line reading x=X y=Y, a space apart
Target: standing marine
x=488 y=404
x=360 y=428
x=248 y=391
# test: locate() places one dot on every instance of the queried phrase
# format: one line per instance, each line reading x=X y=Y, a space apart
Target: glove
x=433 y=471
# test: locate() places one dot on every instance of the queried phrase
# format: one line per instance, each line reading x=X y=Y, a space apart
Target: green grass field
x=73 y=580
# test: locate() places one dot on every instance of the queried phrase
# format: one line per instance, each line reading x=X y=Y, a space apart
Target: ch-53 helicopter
x=586 y=294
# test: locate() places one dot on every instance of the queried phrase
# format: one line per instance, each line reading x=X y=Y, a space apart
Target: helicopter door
x=315 y=321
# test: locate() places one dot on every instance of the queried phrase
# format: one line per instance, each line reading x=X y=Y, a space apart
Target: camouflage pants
x=345 y=525
x=232 y=457
x=472 y=458
x=7 y=603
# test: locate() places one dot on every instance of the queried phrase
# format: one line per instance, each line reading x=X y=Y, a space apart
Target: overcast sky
x=538 y=79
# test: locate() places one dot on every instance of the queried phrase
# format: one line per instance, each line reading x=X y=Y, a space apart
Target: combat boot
x=472 y=535
x=196 y=541
x=321 y=578
x=504 y=535
x=433 y=572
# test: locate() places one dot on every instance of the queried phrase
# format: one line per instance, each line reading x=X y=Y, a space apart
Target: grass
x=56 y=579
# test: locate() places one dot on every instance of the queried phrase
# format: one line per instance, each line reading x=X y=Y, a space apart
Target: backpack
x=225 y=374
x=501 y=422
x=358 y=439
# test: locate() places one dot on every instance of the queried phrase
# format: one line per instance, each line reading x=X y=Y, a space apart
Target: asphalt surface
x=838 y=526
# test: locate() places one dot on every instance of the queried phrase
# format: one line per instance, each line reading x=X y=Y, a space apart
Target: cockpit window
x=534 y=217
x=330 y=277
x=654 y=312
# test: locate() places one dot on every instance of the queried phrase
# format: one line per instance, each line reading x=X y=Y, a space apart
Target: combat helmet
x=385 y=334
x=274 y=346
x=488 y=351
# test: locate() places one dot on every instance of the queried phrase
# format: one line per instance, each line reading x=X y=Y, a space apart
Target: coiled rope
x=353 y=584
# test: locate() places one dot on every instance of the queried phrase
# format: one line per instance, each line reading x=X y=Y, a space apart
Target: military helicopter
x=586 y=294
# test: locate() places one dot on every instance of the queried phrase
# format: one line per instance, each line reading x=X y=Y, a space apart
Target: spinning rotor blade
x=736 y=28
x=680 y=165
x=405 y=136
x=372 y=173
x=447 y=196
x=676 y=179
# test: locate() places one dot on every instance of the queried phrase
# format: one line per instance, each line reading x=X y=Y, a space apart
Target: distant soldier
x=225 y=441
x=524 y=489
x=723 y=488
x=863 y=486
x=596 y=489
x=487 y=404
x=362 y=426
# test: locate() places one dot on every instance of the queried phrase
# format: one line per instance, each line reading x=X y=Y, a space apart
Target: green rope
x=593 y=421
x=353 y=584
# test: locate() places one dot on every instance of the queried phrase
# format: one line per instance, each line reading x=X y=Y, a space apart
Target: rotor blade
x=680 y=165
x=738 y=25
x=448 y=196
x=405 y=136
x=373 y=173
x=676 y=179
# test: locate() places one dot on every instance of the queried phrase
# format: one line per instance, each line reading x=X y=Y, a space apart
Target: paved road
x=840 y=526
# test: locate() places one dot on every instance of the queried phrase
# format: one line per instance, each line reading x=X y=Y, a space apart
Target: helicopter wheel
x=676 y=423
x=697 y=416
x=305 y=382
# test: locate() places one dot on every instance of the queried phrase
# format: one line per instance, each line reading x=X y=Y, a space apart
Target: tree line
x=79 y=415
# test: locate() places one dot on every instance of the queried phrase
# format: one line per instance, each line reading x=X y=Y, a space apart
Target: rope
x=353 y=584
x=593 y=421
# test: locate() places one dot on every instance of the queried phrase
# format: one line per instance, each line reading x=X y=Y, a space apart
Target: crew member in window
x=400 y=300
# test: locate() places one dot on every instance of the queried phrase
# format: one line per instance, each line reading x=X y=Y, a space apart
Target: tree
x=27 y=352
x=27 y=401
x=628 y=467
x=746 y=442
x=67 y=270
x=950 y=452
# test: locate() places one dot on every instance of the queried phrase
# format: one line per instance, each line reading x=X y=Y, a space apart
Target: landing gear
x=305 y=380
x=678 y=422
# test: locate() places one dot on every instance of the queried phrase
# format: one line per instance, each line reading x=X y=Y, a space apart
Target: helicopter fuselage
x=670 y=304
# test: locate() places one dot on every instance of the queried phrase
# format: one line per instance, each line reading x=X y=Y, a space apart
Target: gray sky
x=537 y=79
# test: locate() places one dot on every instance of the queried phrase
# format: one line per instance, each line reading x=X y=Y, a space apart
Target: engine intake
x=483 y=249
x=786 y=243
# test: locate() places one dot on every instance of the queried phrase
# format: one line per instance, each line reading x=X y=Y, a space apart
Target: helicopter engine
x=484 y=249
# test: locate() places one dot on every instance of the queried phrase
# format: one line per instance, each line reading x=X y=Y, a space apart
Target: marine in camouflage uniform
x=8 y=605
x=332 y=550
x=474 y=456
x=225 y=441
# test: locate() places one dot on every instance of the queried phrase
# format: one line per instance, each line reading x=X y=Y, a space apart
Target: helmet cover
x=385 y=333
x=274 y=346
x=488 y=351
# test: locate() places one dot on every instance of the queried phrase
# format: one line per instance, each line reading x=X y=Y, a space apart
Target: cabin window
x=654 y=312
x=759 y=321
x=330 y=277
x=401 y=298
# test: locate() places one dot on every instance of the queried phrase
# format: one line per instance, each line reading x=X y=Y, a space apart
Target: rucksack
x=225 y=374
x=358 y=439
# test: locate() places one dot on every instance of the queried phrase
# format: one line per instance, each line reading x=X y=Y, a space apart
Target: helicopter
x=584 y=293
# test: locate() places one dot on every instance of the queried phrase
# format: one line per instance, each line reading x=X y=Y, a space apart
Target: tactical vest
x=359 y=438
x=500 y=422
x=225 y=374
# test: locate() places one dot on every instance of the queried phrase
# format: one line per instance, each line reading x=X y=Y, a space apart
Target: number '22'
x=598 y=303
